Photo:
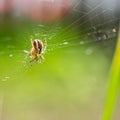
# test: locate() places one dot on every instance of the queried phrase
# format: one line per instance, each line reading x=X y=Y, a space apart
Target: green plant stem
x=114 y=85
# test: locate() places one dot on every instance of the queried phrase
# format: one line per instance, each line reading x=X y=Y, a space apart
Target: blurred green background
x=71 y=83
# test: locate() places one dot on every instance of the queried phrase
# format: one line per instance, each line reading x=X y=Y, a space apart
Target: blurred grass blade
x=114 y=84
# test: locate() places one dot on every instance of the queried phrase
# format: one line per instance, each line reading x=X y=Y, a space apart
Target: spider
x=37 y=50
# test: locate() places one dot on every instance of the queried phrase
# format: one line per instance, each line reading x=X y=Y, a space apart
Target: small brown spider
x=37 y=50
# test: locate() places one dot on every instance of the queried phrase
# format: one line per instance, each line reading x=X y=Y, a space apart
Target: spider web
x=91 y=21
x=90 y=18
x=96 y=20
x=88 y=15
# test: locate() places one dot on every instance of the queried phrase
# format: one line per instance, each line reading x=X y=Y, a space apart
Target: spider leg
x=42 y=57
x=45 y=45
x=27 y=52
x=34 y=59
x=31 y=39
